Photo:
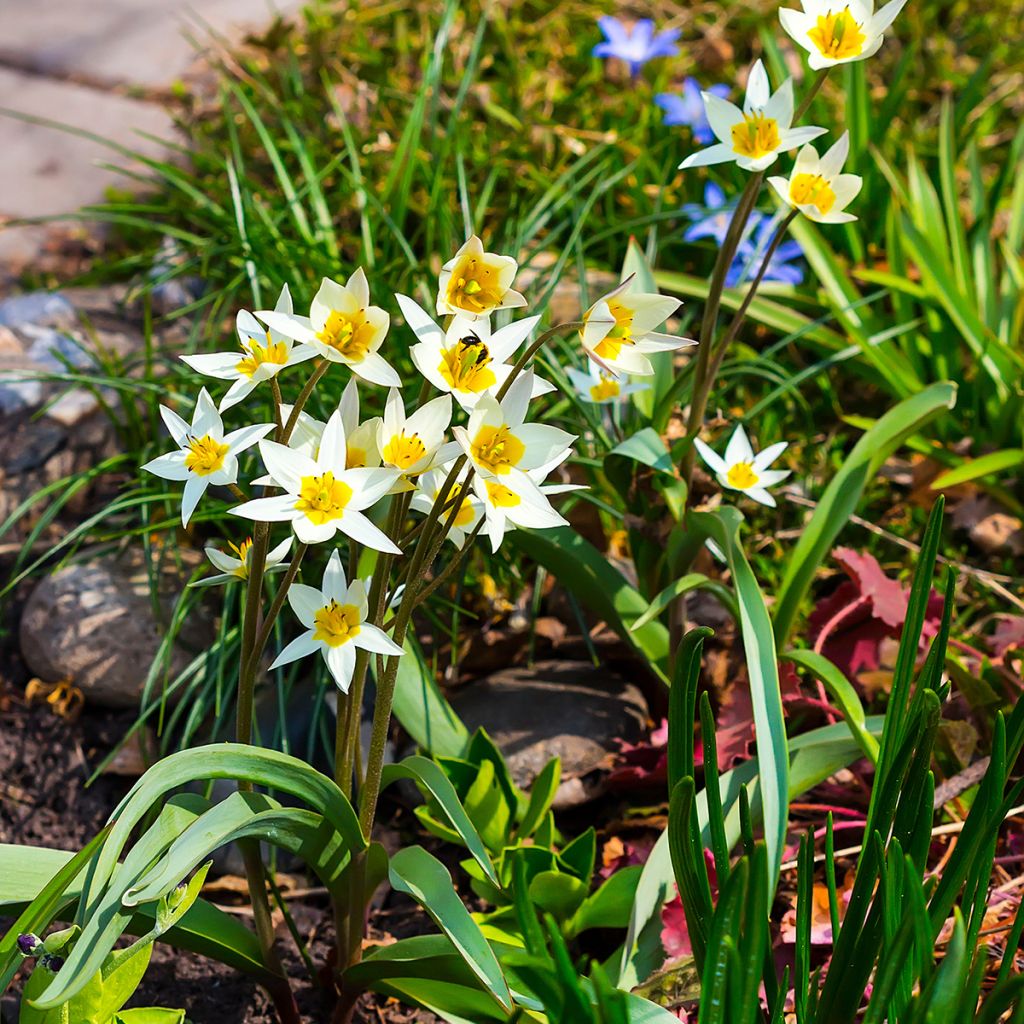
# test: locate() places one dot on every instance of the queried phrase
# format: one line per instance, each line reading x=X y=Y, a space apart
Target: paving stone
x=142 y=43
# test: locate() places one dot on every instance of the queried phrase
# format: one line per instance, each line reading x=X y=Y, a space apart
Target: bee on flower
x=743 y=470
x=817 y=188
x=322 y=496
x=205 y=454
x=619 y=333
x=334 y=615
x=470 y=508
x=754 y=136
x=467 y=360
x=599 y=386
x=265 y=353
x=834 y=33
x=502 y=447
x=342 y=327
x=237 y=566
x=474 y=283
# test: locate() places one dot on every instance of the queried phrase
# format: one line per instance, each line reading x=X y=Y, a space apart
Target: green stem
x=322 y=366
x=275 y=607
x=275 y=389
x=815 y=88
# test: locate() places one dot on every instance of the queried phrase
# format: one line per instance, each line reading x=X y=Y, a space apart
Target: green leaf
x=542 y=795
x=421 y=956
x=610 y=906
x=683 y=585
x=647 y=450
x=843 y=494
x=598 y=585
x=431 y=777
x=985 y=465
x=557 y=893
x=426 y=880
x=454 y=1003
x=762 y=667
x=150 y=1015
x=423 y=710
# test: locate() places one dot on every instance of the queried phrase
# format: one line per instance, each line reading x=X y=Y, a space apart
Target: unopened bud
x=29 y=944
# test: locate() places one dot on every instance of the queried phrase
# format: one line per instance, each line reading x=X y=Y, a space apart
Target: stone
x=92 y=623
x=29 y=445
x=73 y=407
x=568 y=709
x=53 y=351
x=39 y=309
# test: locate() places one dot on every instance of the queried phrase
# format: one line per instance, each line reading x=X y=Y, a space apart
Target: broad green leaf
x=762 y=667
x=646 y=449
x=150 y=1015
x=542 y=794
x=453 y=1003
x=429 y=774
x=421 y=956
x=683 y=585
x=984 y=465
x=557 y=893
x=843 y=494
x=426 y=880
x=599 y=586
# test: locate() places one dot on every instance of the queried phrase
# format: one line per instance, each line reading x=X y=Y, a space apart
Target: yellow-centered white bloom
x=475 y=283
x=343 y=327
x=322 y=497
x=839 y=33
x=413 y=444
x=742 y=470
x=467 y=360
x=335 y=619
x=237 y=566
x=264 y=354
x=754 y=136
x=205 y=454
x=817 y=188
x=502 y=447
x=619 y=329
x=599 y=386
x=470 y=509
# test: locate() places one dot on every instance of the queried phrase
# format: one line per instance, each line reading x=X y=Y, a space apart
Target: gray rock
x=18 y=394
x=568 y=709
x=42 y=309
x=93 y=623
x=53 y=350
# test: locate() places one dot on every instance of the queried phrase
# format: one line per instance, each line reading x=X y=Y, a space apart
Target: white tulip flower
x=475 y=283
x=413 y=444
x=335 y=619
x=343 y=327
x=467 y=360
x=817 y=188
x=599 y=386
x=322 y=496
x=505 y=509
x=754 y=136
x=470 y=507
x=503 y=447
x=834 y=33
x=619 y=329
x=742 y=470
x=265 y=353
x=205 y=455
x=237 y=566
x=360 y=438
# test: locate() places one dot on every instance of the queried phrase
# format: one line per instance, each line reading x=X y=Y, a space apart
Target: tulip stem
x=319 y=370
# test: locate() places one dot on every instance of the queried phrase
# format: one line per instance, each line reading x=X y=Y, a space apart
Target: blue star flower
x=688 y=108
x=710 y=219
x=781 y=266
x=636 y=45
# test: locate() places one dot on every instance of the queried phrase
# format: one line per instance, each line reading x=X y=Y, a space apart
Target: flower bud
x=29 y=944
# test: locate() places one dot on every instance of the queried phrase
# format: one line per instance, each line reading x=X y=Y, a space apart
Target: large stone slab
x=142 y=43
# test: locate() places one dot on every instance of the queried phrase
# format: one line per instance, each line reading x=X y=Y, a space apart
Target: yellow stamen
x=497 y=448
x=256 y=355
x=742 y=475
x=837 y=35
x=403 y=450
x=813 y=190
x=335 y=624
x=605 y=388
x=756 y=136
x=205 y=455
x=502 y=496
x=621 y=334
x=323 y=498
x=349 y=334
x=466 y=366
x=475 y=286
x=242 y=553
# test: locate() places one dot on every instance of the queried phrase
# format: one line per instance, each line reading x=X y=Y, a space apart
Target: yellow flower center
x=466 y=366
x=322 y=498
x=605 y=388
x=335 y=624
x=474 y=286
x=813 y=190
x=355 y=458
x=621 y=334
x=256 y=355
x=497 y=448
x=205 y=455
x=403 y=450
x=502 y=496
x=742 y=475
x=242 y=553
x=349 y=334
x=837 y=35
x=755 y=136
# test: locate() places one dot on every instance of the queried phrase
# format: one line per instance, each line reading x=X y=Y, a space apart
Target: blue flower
x=688 y=108
x=636 y=46
x=712 y=218
x=781 y=266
